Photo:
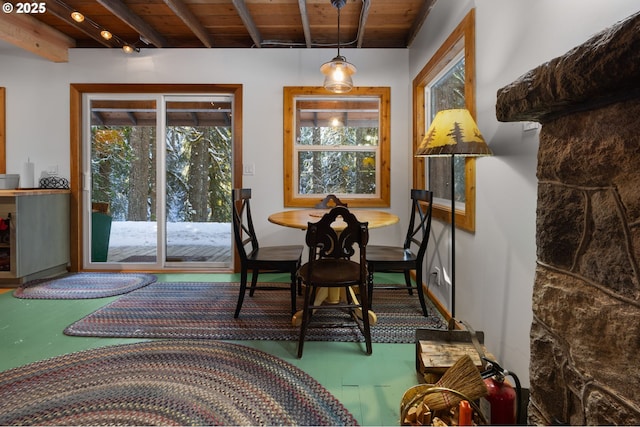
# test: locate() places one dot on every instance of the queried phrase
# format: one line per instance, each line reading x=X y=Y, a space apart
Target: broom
x=462 y=377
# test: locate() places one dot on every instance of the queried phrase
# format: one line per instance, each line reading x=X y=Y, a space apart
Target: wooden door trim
x=77 y=90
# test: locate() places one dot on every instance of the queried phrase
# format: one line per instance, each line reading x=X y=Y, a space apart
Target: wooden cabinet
x=36 y=242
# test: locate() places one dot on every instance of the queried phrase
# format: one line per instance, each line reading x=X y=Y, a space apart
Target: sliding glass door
x=157 y=181
x=198 y=179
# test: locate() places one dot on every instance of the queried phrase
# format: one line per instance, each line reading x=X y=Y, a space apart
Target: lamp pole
x=452 y=321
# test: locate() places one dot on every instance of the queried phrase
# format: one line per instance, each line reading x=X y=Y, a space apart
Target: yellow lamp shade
x=453 y=132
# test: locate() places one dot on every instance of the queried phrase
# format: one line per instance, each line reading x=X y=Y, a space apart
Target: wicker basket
x=413 y=396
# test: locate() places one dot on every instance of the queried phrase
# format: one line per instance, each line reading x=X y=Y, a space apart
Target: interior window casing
x=336 y=144
x=460 y=42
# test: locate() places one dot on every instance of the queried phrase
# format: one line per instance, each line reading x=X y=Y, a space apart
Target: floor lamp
x=453 y=133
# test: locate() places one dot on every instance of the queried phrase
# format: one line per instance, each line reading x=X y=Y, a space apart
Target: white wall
x=38 y=107
x=495 y=266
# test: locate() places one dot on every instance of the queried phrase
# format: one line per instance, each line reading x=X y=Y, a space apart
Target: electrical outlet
x=436 y=273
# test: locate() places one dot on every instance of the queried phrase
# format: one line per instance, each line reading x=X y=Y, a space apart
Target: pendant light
x=338 y=71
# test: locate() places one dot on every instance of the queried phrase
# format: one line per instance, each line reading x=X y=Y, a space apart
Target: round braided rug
x=167 y=382
x=84 y=285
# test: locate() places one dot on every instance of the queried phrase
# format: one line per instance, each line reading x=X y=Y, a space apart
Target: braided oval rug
x=83 y=285
x=192 y=310
x=167 y=382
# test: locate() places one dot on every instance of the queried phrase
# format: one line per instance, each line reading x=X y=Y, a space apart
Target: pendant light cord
x=339 y=30
x=338 y=4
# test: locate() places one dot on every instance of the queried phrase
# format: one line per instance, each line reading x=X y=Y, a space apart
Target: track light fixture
x=106 y=34
x=77 y=16
x=93 y=28
x=127 y=48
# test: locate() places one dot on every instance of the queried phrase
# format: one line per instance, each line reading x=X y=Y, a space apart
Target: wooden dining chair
x=330 y=201
x=330 y=266
x=411 y=255
x=258 y=258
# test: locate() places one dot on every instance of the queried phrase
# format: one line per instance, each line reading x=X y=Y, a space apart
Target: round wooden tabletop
x=300 y=218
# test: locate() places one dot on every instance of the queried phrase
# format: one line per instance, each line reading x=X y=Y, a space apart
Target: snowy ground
x=142 y=233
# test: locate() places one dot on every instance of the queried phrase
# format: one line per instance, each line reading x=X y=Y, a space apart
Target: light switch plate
x=248 y=169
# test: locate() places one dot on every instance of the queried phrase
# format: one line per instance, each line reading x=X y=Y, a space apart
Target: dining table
x=300 y=219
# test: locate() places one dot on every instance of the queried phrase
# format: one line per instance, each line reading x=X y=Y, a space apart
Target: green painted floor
x=370 y=387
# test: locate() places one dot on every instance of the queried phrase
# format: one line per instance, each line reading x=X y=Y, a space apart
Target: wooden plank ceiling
x=212 y=24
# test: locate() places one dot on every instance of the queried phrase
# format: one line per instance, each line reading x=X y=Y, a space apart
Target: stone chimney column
x=585 y=335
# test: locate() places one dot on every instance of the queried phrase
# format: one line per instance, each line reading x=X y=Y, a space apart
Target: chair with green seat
x=409 y=256
x=286 y=258
x=330 y=266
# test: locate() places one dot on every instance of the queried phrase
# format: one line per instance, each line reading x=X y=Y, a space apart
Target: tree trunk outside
x=199 y=179
x=140 y=174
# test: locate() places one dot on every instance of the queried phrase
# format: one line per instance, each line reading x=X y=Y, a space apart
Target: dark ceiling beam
x=98 y=118
x=366 y=5
x=132 y=117
x=304 y=17
x=242 y=10
x=122 y=11
x=63 y=11
x=194 y=117
x=420 y=18
x=184 y=13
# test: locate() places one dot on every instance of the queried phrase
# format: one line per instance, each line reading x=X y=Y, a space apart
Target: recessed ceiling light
x=106 y=34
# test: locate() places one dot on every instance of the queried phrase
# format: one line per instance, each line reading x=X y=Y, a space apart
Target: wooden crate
x=437 y=351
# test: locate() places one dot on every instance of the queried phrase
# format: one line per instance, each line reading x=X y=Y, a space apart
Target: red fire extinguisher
x=501 y=406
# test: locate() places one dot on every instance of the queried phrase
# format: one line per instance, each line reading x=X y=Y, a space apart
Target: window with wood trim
x=447 y=81
x=336 y=144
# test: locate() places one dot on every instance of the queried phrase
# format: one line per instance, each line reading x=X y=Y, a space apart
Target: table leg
x=373 y=319
x=321 y=296
x=329 y=295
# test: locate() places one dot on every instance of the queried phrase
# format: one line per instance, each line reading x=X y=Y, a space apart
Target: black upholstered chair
x=411 y=255
x=330 y=201
x=330 y=266
x=255 y=257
